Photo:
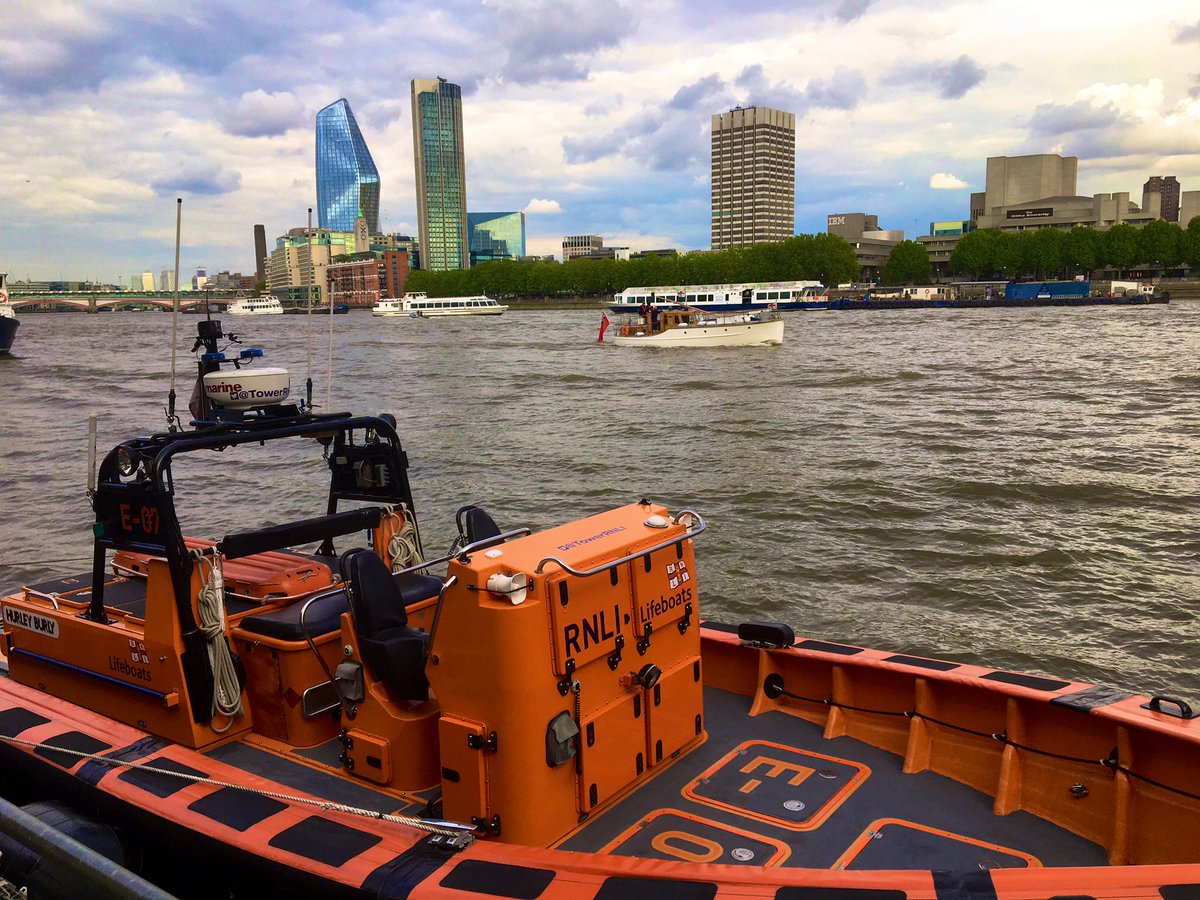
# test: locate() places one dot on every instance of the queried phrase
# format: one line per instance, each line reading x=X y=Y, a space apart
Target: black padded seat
x=393 y=652
x=415 y=588
x=474 y=524
x=284 y=624
x=325 y=614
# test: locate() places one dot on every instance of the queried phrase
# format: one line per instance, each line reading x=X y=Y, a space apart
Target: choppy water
x=1014 y=488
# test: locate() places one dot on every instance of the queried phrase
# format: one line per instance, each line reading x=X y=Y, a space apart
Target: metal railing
x=699 y=527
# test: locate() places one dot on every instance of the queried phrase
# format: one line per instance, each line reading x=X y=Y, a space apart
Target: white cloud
x=543 y=207
x=944 y=181
x=259 y=114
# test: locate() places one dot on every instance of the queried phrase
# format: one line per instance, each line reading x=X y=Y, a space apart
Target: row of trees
x=988 y=253
x=817 y=257
x=1053 y=253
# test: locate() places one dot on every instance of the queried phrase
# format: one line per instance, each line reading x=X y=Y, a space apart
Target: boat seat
x=394 y=652
x=325 y=614
x=284 y=624
x=475 y=525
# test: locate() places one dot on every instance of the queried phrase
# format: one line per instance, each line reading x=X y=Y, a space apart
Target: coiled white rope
x=404 y=548
x=227 y=690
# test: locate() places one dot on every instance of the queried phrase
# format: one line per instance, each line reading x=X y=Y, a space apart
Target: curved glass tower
x=347 y=179
x=441 y=173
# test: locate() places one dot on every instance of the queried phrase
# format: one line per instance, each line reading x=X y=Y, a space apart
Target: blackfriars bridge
x=94 y=301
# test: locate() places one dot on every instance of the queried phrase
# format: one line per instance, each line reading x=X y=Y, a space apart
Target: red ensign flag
x=603 y=328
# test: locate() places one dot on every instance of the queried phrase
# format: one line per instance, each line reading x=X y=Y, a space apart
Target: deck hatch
x=774 y=783
x=324 y=841
x=236 y=808
x=899 y=844
x=676 y=835
x=71 y=740
x=498 y=879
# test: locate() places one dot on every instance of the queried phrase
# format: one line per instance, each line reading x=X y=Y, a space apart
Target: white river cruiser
x=783 y=295
x=256 y=306
x=421 y=306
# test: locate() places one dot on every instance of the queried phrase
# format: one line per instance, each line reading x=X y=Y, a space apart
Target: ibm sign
x=837 y=220
x=1042 y=212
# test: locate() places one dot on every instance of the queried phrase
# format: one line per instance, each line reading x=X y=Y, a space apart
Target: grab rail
x=604 y=567
x=437 y=612
x=346 y=705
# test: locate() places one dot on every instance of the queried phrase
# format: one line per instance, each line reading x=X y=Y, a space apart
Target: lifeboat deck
x=773 y=791
x=766 y=791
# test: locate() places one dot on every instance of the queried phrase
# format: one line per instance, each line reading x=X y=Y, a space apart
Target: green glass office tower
x=347 y=179
x=441 y=173
x=496 y=235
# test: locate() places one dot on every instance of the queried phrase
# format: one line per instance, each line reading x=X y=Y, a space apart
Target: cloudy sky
x=591 y=115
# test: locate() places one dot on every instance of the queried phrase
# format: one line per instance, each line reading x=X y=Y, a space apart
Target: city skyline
x=591 y=119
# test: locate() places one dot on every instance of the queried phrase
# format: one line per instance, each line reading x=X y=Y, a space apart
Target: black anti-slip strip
x=71 y=740
x=824 y=647
x=1029 y=681
x=922 y=663
x=964 y=885
x=14 y=721
x=498 y=879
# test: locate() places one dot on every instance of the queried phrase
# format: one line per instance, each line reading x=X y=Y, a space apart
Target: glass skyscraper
x=496 y=235
x=347 y=179
x=441 y=173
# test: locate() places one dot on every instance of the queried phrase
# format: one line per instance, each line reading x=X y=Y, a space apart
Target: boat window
x=785 y=295
x=773 y=295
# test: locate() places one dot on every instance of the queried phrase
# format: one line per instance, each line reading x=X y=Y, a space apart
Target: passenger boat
x=781 y=295
x=256 y=306
x=419 y=305
x=390 y=307
x=8 y=318
x=536 y=714
x=686 y=327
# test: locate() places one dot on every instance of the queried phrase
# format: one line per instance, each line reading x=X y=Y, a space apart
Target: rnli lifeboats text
x=19 y=618
x=595 y=629
x=665 y=604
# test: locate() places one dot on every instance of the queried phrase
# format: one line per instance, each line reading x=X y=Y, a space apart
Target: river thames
x=1014 y=488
